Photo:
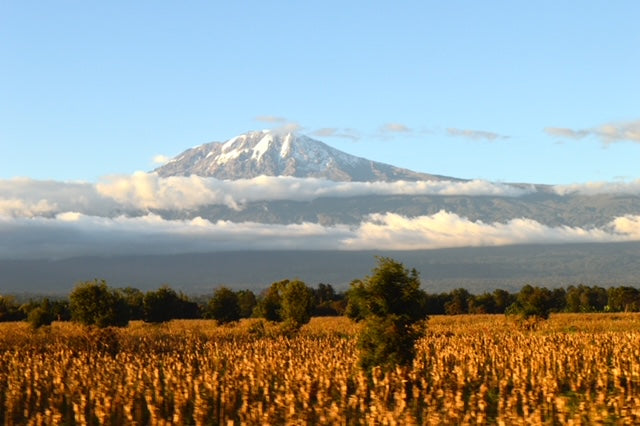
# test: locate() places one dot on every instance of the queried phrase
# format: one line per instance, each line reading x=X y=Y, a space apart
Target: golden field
x=476 y=369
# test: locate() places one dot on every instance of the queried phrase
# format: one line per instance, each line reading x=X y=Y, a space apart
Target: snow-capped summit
x=274 y=153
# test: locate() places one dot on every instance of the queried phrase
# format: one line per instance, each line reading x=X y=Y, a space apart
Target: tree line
x=293 y=301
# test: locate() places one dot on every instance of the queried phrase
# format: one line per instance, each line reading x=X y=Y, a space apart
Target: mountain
x=197 y=233
x=273 y=153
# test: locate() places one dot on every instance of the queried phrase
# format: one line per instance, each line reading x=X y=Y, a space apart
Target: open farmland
x=478 y=369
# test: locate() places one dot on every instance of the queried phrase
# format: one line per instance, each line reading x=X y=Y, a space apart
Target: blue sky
x=544 y=91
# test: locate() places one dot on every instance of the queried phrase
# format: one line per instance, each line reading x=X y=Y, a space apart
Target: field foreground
x=480 y=369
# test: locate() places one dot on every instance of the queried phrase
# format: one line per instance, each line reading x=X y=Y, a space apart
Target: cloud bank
x=73 y=234
x=119 y=215
x=131 y=194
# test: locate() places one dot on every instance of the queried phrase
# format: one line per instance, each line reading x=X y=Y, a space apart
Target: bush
x=41 y=316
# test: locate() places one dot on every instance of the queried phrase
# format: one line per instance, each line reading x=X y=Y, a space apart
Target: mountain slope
x=273 y=153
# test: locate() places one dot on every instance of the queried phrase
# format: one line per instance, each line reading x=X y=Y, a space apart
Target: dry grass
x=481 y=369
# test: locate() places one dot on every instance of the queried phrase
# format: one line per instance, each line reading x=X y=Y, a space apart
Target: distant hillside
x=476 y=269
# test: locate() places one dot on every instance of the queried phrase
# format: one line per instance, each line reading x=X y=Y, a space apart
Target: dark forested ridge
x=477 y=269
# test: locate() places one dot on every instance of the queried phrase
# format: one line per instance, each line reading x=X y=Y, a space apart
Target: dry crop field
x=480 y=369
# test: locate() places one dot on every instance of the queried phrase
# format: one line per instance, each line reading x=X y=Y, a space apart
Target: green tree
x=357 y=301
x=328 y=302
x=224 y=306
x=297 y=303
x=392 y=305
x=482 y=304
x=623 y=299
x=458 y=303
x=161 y=305
x=10 y=310
x=94 y=303
x=134 y=299
x=247 y=302
x=269 y=306
x=586 y=299
x=532 y=302
x=502 y=300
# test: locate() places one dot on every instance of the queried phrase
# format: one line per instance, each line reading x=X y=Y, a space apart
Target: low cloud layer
x=74 y=234
x=608 y=133
x=450 y=230
x=596 y=188
x=131 y=194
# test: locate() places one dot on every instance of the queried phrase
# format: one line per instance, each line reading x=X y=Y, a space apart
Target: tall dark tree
x=270 y=304
x=623 y=299
x=247 y=302
x=482 y=304
x=10 y=310
x=94 y=303
x=502 y=300
x=298 y=302
x=328 y=302
x=134 y=299
x=533 y=302
x=161 y=305
x=458 y=303
x=583 y=298
x=224 y=306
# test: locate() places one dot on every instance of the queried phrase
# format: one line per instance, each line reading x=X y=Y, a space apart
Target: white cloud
x=621 y=131
x=395 y=128
x=270 y=119
x=475 y=134
x=608 y=133
x=20 y=208
x=332 y=132
x=392 y=231
x=161 y=159
x=566 y=133
x=23 y=197
x=148 y=190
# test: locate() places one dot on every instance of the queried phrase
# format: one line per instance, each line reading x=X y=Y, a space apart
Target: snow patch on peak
x=285 y=149
x=261 y=147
